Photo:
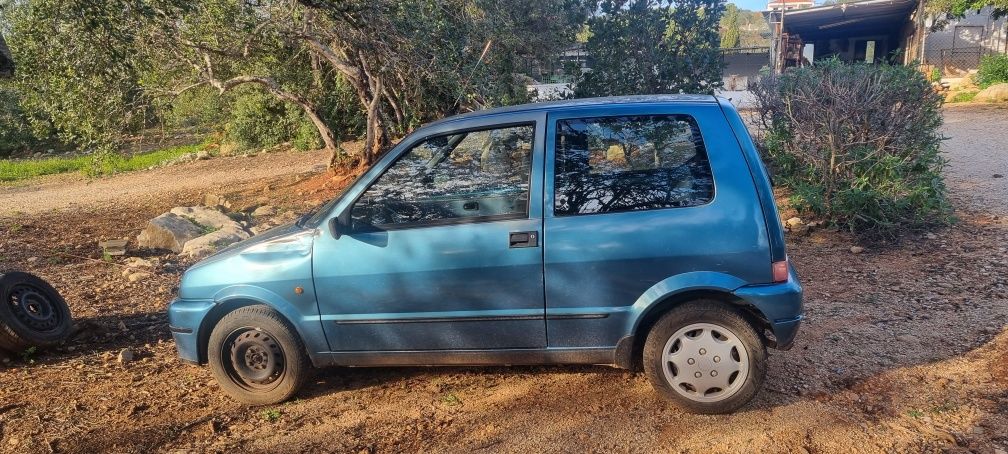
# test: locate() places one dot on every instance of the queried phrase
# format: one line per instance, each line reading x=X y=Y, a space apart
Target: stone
x=204 y=216
x=856 y=249
x=168 y=231
x=115 y=247
x=214 y=241
x=931 y=236
x=203 y=155
x=137 y=262
x=126 y=356
x=993 y=93
x=793 y=222
x=139 y=276
x=265 y=210
x=216 y=200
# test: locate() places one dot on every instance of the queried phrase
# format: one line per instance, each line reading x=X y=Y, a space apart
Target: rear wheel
x=257 y=357
x=32 y=313
x=705 y=358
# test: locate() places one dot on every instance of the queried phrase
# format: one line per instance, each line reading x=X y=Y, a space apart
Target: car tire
x=257 y=357
x=705 y=358
x=32 y=313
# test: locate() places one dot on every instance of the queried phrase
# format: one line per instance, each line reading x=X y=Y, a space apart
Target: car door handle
x=523 y=239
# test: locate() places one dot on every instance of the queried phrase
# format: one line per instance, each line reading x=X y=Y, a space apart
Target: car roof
x=581 y=103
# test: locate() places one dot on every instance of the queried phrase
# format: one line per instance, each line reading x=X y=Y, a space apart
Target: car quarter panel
x=602 y=271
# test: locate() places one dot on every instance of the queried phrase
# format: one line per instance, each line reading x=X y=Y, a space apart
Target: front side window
x=629 y=163
x=466 y=176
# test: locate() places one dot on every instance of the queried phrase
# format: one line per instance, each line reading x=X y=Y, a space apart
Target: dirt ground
x=905 y=348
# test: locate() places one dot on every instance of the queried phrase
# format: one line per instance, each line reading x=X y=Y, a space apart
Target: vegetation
x=13 y=170
x=649 y=46
x=730 y=31
x=857 y=144
x=993 y=70
x=963 y=96
x=334 y=70
x=959 y=8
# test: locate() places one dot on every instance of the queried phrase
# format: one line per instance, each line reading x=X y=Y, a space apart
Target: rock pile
x=192 y=231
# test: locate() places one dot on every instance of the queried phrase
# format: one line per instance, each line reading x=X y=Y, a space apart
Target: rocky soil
x=905 y=348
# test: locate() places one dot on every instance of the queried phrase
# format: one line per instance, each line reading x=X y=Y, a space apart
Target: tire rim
x=33 y=308
x=254 y=359
x=705 y=362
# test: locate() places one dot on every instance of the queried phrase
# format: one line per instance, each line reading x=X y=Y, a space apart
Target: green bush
x=259 y=120
x=15 y=130
x=963 y=96
x=857 y=144
x=993 y=70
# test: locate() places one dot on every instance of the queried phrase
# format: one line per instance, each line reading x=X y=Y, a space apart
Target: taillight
x=780 y=271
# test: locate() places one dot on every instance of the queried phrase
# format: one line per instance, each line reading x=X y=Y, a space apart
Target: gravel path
x=977 y=149
x=69 y=191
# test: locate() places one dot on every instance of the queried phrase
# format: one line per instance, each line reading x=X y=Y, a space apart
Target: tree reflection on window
x=470 y=175
x=628 y=163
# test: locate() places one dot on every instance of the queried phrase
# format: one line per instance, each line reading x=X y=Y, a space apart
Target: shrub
x=15 y=130
x=857 y=144
x=993 y=70
x=963 y=96
x=259 y=120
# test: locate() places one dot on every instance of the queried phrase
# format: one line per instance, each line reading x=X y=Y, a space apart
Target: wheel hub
x=257 y=358
x=33 y=309
x=705 y=362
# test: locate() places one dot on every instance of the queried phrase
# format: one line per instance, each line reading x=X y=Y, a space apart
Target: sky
x=752 y=5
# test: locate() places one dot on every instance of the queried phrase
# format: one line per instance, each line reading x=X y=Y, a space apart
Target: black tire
x=722 y=320
x=257 y=357
x=32 y=313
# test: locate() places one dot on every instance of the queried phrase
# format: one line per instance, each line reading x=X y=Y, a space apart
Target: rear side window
x=630 y=163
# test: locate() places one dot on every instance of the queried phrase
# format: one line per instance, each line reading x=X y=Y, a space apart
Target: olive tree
x=651 y=46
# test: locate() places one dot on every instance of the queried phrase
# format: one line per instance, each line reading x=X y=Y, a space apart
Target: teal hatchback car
x=639 y=232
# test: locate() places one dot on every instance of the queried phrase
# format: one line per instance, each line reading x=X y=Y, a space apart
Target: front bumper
x=184 y=320
x=781 y=304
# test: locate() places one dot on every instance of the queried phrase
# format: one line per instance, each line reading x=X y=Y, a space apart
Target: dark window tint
x=470 y=175
x=612 y=164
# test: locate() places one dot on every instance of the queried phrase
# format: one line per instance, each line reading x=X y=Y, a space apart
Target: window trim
x=460 y=220
x=556 y=133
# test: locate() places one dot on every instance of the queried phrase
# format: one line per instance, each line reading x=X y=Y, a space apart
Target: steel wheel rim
x=254 y=359
x=33 y=308
x=705 y=362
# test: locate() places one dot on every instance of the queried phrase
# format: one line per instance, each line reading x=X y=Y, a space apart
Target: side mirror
x=337 y=227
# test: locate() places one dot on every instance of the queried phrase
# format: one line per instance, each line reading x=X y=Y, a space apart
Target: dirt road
x=71 y=191
x=905 y=350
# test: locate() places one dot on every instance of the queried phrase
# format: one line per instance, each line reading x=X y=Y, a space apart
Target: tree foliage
x=122 y=64
x=647 y=46
x=959 y=8
x=730 y=33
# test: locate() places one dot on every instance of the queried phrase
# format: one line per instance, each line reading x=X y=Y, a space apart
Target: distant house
x=958 y=46
x=874 y=31
x=6 y=60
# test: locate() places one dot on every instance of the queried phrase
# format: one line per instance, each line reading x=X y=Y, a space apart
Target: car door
x=442 y=249
x=632 y=202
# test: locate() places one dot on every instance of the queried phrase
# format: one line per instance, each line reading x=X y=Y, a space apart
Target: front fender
x=307 y=325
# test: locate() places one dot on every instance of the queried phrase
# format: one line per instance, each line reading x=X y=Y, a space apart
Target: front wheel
x=257 y=357
x=705 y=358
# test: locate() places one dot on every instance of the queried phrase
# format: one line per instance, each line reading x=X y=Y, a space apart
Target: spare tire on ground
x=32 y=313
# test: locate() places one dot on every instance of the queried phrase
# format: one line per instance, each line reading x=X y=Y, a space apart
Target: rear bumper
x=781 y=304
x=184 y=319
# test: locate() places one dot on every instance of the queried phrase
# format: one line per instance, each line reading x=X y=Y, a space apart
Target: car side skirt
x=497 y=357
